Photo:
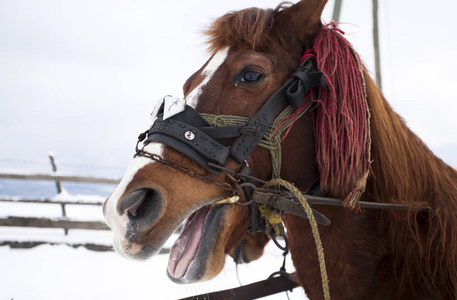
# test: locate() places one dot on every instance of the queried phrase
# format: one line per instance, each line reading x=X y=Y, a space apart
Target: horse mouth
x=190 y=253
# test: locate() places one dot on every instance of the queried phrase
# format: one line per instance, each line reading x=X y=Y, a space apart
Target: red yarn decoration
x=341 y=120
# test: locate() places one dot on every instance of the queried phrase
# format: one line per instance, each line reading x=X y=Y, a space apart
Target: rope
x=273 y=220
x=272 y=141
x=312 y=222
x=224 y=120
x=272 y=138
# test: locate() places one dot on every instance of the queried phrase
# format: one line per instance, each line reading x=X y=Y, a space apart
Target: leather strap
x=286 y=205
x=270 y=286
x=189 y=133
x=292 y=92
x=223 y=132
x=297 y=91
x=189 y=140
x=245 y=144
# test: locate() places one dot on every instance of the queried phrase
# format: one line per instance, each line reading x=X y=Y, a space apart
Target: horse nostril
x=142 y=207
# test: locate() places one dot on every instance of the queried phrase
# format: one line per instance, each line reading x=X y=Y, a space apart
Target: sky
x=79 y=78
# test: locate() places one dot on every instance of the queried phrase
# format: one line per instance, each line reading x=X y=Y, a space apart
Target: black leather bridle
x=189 y=133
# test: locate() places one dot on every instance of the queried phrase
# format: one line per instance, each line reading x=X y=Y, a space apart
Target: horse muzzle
x=133 y=217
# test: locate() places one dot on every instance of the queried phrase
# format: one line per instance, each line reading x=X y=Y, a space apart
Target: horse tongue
x=183 y=250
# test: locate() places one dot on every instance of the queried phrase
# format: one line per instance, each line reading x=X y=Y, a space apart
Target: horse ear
x=300 y=22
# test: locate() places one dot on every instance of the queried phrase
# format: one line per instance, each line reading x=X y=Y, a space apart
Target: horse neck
x=403 y=167
x=405 y=171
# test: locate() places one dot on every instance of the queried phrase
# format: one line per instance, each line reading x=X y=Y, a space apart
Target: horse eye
x=251 y=77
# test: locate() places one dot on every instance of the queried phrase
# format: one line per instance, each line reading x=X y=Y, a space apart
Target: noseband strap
x=185 y=132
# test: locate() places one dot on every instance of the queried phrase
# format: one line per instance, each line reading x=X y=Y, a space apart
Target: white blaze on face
x=119 y=223
x=208 y=72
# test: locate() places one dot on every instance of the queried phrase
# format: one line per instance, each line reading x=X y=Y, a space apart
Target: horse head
x=254 y=53
x=259 y=105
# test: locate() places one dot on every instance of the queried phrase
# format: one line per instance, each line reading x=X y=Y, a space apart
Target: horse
x=342 y=136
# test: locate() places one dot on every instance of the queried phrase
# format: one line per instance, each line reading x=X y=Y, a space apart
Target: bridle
x=190 y=133
x=182 y=128
x=203 y=139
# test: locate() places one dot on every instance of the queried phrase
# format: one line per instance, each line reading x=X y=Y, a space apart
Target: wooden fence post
x=377 y=57
x=59 y=188
x=337 y=10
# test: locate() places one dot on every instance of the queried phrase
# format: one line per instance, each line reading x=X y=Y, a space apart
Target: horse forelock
x=248 y=27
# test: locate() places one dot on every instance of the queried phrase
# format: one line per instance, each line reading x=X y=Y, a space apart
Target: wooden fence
x=62 y=222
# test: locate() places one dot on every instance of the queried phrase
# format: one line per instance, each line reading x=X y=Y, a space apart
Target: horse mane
x=404 y=170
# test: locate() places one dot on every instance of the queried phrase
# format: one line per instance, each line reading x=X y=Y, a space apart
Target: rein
x=283 y=201
x=287 y=202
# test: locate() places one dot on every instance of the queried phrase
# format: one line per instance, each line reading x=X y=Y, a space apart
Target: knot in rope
x=273 y=220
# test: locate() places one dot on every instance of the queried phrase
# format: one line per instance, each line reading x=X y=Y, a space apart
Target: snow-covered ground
x=62 y=272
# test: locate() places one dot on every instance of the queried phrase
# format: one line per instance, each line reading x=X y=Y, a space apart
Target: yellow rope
x=273 y=219
x=312 y=222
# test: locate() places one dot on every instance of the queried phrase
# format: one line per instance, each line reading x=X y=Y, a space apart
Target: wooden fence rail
x=58 y=222
x=65 y=223
x=50 y=201
x=53 y=177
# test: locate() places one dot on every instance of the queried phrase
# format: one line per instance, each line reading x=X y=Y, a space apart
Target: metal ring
x=244 y=203
x=286 y=247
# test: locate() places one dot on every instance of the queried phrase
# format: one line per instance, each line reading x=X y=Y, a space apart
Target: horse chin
x=198 y=253
x=135 y=251
x=250 y=248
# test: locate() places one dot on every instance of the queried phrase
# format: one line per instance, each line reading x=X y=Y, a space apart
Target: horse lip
x=133 y=234
x=212 y=228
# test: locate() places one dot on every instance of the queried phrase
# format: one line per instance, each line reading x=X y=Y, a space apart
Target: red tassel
x=341 y=121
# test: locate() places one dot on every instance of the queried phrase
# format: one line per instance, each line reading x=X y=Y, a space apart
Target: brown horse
x=350 y=136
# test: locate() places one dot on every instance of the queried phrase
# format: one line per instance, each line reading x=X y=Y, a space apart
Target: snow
x=61 y=272
x=51 y=210
x=65 y=196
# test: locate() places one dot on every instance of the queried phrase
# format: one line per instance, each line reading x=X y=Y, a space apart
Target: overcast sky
x=80 y=78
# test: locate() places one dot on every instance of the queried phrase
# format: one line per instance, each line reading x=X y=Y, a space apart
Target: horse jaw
x=208 y=235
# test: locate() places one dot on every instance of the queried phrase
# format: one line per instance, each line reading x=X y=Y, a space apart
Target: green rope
x=271 y=140
x=224 y=120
